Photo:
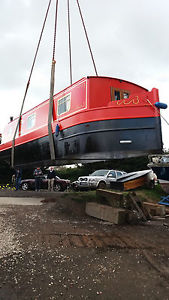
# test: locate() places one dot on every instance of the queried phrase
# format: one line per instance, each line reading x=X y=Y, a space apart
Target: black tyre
x=101 y=185
x=75 y=187
x=57 y=187
x=151 y=185
x=25 y=186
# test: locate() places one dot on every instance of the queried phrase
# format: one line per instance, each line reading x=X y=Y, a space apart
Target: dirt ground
x=55 y=251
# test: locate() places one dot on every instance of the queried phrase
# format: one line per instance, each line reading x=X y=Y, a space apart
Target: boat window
x=118 y=94
x=8 y=134
x=63 y=104
x=125 y=95
x=31 y=121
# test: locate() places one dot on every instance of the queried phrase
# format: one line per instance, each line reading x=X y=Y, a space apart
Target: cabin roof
x=119 y=79
x=83 y=78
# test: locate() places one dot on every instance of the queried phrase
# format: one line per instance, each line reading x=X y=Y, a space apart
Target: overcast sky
x=129 y=39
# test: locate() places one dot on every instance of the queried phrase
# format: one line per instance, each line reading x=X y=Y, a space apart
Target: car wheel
x=151 y=184
x=75 y=187
x=25 y=186
x=101 y=185
x=57 y=187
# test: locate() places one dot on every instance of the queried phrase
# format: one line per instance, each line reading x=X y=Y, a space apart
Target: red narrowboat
x=96 y=118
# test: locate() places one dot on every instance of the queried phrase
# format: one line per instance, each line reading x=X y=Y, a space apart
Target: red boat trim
x=121 y=80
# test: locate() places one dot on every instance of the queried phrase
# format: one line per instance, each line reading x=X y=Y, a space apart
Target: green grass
x=145 y=194
x=150 y=195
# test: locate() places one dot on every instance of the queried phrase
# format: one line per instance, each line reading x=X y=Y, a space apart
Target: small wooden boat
x=133 y=180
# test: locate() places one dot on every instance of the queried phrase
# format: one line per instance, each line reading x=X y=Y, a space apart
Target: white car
x=98 y=179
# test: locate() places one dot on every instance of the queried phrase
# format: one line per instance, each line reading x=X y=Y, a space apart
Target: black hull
x=94 y=141
x=161 y=172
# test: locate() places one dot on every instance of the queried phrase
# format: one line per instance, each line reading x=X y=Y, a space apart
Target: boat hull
x=164 y=185
x=162 y=172
x=93 y=141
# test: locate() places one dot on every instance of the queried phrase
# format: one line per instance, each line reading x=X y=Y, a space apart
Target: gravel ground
x=55 y=251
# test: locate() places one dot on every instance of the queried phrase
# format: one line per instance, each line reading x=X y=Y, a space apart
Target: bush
x=127 y=165
x=5 y=172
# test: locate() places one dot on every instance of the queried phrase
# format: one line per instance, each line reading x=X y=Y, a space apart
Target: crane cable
x=80 y=11
x=27 y=86
x=70 y=53
x=50 y=113
x=52 y=81
x=69 y=34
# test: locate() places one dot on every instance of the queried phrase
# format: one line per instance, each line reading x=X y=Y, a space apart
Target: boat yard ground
x=52 y=250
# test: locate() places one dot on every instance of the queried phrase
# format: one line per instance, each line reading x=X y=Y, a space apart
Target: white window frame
x=32 y=117
x=68 y=104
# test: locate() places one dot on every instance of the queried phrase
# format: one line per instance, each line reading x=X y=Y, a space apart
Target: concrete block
x=106 y=213
x=166 y=222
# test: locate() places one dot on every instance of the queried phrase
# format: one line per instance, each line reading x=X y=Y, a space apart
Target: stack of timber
x=155 y=209
x=124 y=208
x=164 y=185
x=119 y=209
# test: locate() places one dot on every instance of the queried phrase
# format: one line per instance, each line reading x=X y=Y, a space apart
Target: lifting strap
x=52 y=81
x=50 y=113
x=26 y=90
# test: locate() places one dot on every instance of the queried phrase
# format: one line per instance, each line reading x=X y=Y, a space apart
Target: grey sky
x=129 y=39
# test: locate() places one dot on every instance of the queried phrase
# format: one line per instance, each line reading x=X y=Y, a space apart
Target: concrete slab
x=106 y=213
x=20 y=201
x=28 y=194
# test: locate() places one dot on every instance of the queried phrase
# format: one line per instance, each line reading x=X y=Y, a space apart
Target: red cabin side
x=88 y=100
x=77 y=98
x=102 y=89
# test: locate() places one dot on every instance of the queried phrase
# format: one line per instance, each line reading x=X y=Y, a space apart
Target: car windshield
x=100 y=173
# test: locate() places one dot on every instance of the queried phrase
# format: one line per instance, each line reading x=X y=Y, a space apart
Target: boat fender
x=57 y=129
x=161 y=105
